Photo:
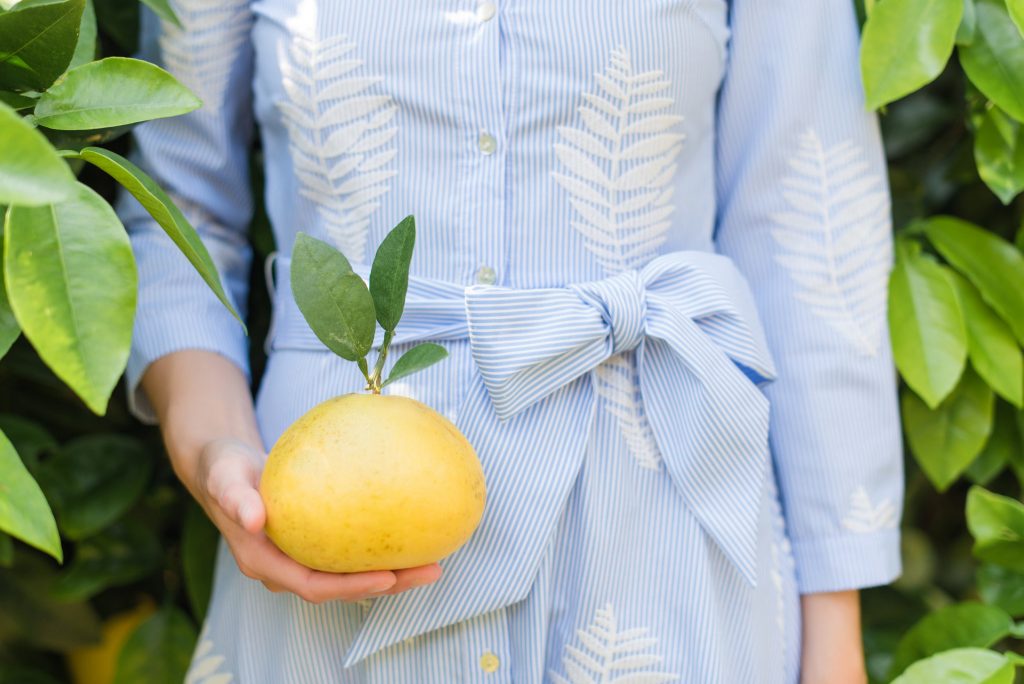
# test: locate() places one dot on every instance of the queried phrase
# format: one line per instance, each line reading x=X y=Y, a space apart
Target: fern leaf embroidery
x=609 y=655
x=615 y=161
x=201 y=53
x=834 y=239
x=864 y=517
x=341 y=136
x=206 y=666
x=617 y=384
x=618 y=169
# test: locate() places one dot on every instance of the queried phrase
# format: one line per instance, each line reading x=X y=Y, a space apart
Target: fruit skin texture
x=370 y=482
x=97 y=664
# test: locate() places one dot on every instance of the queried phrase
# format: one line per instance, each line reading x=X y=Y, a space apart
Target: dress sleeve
x=804 y=212
x=201 y=160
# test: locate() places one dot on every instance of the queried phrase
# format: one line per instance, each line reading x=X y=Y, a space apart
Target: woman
x=573 y=168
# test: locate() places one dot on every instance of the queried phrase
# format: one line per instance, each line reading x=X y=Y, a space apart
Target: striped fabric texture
x=654 y=237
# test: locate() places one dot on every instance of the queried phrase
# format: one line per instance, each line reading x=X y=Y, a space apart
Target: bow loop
x=622 y=301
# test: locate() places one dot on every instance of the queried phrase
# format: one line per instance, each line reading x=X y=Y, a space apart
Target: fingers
x=259 y=559
x=263 y=561
x=411 y=578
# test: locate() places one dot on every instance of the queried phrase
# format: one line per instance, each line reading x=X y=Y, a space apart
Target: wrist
x=832 y=647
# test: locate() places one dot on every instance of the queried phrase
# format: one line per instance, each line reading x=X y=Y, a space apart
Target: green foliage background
x=949 y=76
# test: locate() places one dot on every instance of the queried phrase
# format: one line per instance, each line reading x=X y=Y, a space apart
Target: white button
x=485 y=275
x=489 y=662
x=485 y=11
x=487 y=143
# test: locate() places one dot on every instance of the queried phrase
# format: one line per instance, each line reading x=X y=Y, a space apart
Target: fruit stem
x=374 y=381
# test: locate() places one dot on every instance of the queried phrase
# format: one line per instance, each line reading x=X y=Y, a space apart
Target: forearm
x=832 y=648
x=199 y=397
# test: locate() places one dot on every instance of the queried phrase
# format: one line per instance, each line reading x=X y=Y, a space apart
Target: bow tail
x=711 y=425
x=530 y=463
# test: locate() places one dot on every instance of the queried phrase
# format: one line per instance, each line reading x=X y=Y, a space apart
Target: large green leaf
x=24 y=512
x=929 y=336
x=198 y=552
x=37 y=41
x=997 y=524
x=1000 y=159
x=994 y=265
x=389 y=275
x=85 y=49
x=945 y=440
x=955 y=626
x=991 y=346
x=968 y=24
x=163 y=210
x=333 y=299
x=1000 y=447
x=9 y=329
x=71 y=281
x=1016 y=8
x=994 y=61
x=159 y=651
x=31 y=171
x=906 y=45
x=1001 y=587
x=117 y=556
x=93 y=481
x=115 y=91
x=960 y=666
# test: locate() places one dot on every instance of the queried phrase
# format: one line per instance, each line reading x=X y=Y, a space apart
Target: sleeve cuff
x=853 y=561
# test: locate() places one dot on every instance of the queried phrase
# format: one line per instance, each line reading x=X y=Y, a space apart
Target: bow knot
x=622 y=301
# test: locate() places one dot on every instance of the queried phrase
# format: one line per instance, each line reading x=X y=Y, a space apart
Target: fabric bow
x=700 y=356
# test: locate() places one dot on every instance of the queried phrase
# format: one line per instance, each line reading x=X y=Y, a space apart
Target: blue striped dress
x=654 y=237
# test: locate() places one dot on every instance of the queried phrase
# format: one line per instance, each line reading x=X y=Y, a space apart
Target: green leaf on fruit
x=416 y=359
x=389 y=275
x=333 y=299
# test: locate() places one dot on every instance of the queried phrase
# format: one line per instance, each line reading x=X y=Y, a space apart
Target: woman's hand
x=227 y=478
x=205 y=411
x=832 y=649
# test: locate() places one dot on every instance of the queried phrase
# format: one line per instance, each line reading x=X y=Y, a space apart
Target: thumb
x=232 y=480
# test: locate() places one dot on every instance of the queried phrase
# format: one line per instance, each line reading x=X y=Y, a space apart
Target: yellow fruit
x=370 y=482
x=97 y=664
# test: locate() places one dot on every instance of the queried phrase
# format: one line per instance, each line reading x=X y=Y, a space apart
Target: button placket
x=484 y=82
